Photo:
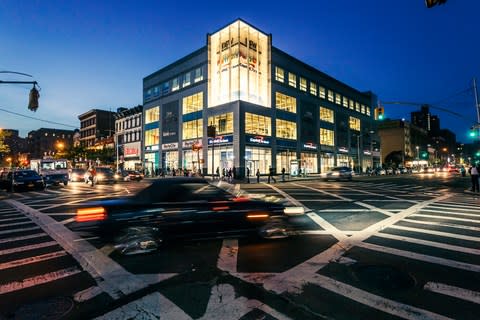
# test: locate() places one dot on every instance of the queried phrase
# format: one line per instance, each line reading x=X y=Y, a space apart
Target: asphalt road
x=384 y=247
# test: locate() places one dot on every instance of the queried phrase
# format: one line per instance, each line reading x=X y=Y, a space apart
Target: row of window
x=320 y=91
x=129 y=137
x=175 y=84
x=88 y=122
x=124 y=124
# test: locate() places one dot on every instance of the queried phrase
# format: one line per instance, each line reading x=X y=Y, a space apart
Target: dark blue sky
x=94 y=54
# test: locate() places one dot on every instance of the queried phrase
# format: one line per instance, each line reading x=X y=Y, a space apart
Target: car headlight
x=116 y=176
x=336 y=174
x=294 y=211
x=100 y=176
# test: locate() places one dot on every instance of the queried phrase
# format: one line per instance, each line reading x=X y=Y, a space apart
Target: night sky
x=94 y=54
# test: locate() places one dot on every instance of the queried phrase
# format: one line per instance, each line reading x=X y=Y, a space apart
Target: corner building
x=268 y=108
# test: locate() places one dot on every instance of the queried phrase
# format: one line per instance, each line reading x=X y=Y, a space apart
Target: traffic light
x=379 y=113
x=477 y=154
x=33 y=99
x=432 y=3
x=424 y=155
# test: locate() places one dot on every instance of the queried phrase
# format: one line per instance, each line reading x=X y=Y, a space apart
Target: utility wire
x=469 y=89
x=38 y=119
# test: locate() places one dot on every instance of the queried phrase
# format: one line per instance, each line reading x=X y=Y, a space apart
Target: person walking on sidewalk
x=283 y=174
x=270 y=175
x=258 y=175
x=248 y=175
x=474 y=170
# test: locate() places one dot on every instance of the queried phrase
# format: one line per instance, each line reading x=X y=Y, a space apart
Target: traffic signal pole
x=477 y=106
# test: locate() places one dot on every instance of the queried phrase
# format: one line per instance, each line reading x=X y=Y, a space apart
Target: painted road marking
x=18 y=230
x=27 y=248
x=421 y=257
x=428 y=243
x=31 y=236
x=116 y=280
x=16 y=224
x=13 y=219
x=442 y=224
x=87 y=294
x=459 y=206
x=437 y=233
x=452 y=213
x=444 y=217
x=30 y=260
x=373 y=301
x=459 y=293
x=38 y=280
x=227 y=258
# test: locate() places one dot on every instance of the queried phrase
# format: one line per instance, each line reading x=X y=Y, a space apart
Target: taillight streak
x=91 y=214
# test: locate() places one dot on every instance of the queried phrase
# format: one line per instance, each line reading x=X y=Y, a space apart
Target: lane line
x=30 y=260
x=294 y=278
x=21 y=217
x=38 y=280
x=453 y=213
x=428 y=243
x=437 y=233
x=16 y=224
x=442 y=224
x=117 y=281
x=18 y=230
x=227 y=258
x=324 y=224
x=456 y=292
x=444 y=217
x=87 y=294
x=459 y=206
x=27 y=248
x=20 y=238
x=389 y=306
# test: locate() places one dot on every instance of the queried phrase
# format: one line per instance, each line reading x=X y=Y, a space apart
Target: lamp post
x=212 y=133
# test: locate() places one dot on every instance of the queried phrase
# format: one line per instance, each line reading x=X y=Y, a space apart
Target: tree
x=4 y=148
x=394 y=157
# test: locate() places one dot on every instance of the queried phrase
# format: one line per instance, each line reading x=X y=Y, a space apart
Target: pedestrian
x=283 y=174
x=258 y=175
x=234 y=173
x=474 y=176
x=462 y=171
x=218 y=173
x=248 y=175
x=270 y=175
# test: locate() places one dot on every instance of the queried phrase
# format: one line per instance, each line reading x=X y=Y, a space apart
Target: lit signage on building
x=190 y=143
x=258 y=140
x=220 y=140
x=310 y=146
x=131 y=149
x=151 y=148
x=238 y=68
x=170 y=146
x=367 y=152
x=343 y=149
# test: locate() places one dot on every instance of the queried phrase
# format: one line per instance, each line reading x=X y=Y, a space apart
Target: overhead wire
x=37 y=119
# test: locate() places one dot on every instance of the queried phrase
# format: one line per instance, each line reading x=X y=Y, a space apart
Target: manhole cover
x=384 y=277
x=51 y=309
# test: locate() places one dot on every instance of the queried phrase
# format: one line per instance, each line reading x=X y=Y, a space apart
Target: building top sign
x=310 y=146
x=343 y=149
x=258 y=140
x=220 y=140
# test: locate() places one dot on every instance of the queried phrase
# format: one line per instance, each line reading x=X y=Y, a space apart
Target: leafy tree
x=394 y=158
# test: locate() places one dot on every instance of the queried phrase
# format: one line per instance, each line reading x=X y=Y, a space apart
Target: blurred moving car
x=77 y=175
x=181 y=208
x=22 y=179
x=338 y=173
x=103 y=175
x=132 y=175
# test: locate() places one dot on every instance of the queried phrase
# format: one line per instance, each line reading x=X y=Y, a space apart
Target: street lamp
x=212 y=133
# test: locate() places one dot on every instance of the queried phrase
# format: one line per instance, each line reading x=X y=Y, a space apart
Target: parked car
x=22 y=180
x=380 y=171
x=338 y=173
x=182 y=208
x=77 y=175
x=132 y=175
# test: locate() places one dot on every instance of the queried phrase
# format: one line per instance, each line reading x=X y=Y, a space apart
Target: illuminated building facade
x=269 y=110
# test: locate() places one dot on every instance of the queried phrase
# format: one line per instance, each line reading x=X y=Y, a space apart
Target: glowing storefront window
x=303 y=84
x=279 y=74
x=192 y=129
x=286 y=129
x=257 y=124
x=152 y=137
x=258 y=158
x=284 y=159
x=354 y=123
x=222 y=122
x=239 y=68
x=292 y=80
x=284 y=102
x=313 y=88
x=152 y=115
x=192 y=103
x=327 y=137
x=326 y=115
x=308 y=162
x=330 y=95
x=322 y=92
x=338 y=99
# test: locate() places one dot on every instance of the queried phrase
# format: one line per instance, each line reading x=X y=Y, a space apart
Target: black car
x=22 y=180
x=180 y=208
x=338 y=173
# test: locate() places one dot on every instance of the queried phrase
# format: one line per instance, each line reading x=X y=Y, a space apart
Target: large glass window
x=165 y=88
x=330 y=95
x=313 y=88
x=303 y=84
x=175 y=84
x=354 y=123
x=223 y=123
x=258 y=158
x=223 y=159
x=198 y=74
x=367 y=110
x=193 y=103
x=362 y=108
x=286 y=129
x=322 y=92
x=345 y=102
x=338 y=98
x=292 y=80
x=327 y=137
x=357 y=106
x=309 y=162
x=284 y=102
x=257 y=124
x=192 y=159
x=279 y=74
x=186 y=79
x=284 y=159
x=351 y=104
x=326 y=115
x=192 y=129
x=152 y=115
x=152 y=137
